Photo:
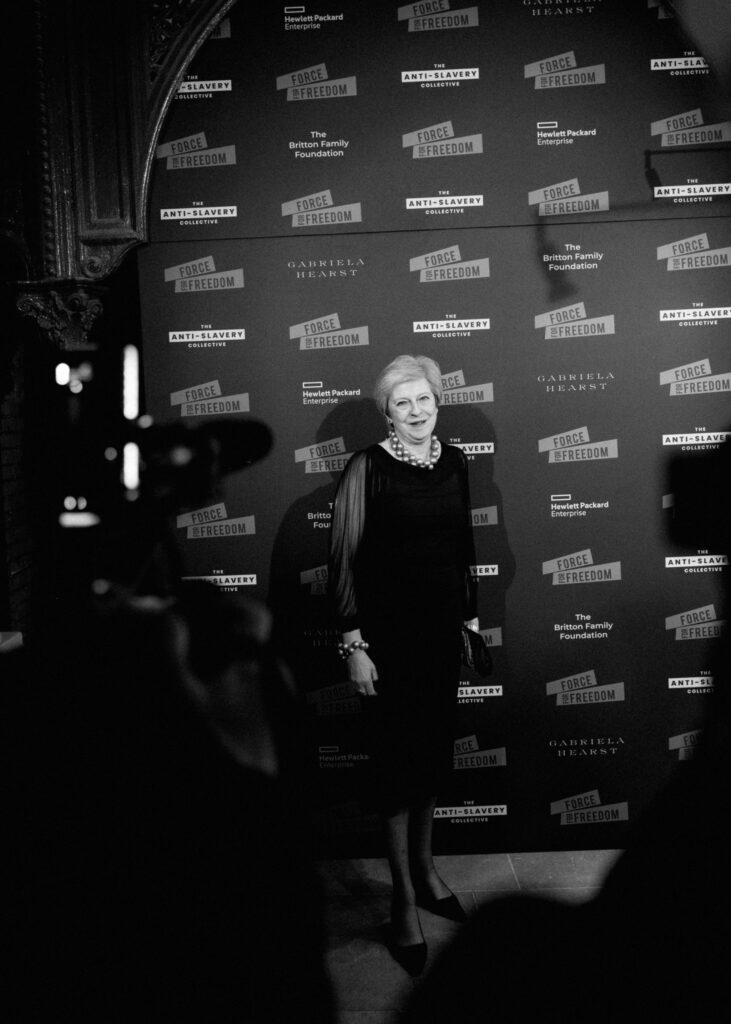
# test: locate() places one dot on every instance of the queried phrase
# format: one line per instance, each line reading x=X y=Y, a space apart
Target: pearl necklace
x=413 y=460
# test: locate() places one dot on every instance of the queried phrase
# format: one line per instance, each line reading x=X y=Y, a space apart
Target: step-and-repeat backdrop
x=535 y=194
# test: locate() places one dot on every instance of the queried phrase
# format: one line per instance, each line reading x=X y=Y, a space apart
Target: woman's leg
x=422 y=867
x=404 y=916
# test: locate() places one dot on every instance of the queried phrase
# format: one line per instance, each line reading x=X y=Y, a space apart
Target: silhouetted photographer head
x=183 y=465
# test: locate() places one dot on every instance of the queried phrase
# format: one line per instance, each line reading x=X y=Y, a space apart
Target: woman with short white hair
x=401 y=550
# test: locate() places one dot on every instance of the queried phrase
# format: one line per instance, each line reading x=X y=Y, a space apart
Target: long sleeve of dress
x=348 y=522
x=470 y=557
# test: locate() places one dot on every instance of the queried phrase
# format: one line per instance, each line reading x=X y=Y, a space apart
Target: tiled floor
x=369 y=986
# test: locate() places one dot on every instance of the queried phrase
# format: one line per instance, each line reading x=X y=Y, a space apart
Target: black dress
x=400 y=554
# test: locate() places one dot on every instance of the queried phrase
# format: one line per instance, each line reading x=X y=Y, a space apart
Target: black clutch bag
x=475 y=652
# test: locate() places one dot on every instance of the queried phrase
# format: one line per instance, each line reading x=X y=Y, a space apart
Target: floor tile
x=562 y=868
x=478 y=871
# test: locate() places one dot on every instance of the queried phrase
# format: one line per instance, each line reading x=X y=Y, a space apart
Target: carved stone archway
x=104 y=79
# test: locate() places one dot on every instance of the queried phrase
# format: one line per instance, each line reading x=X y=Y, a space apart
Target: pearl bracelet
x=345 y=650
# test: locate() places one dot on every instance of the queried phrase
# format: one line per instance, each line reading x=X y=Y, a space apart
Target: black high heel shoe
x=448 y=906
x=412 y=958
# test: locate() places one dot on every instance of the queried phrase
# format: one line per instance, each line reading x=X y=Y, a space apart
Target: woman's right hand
x=362 y=674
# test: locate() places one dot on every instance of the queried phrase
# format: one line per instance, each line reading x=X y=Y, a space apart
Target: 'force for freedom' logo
x=447 y=265
x=439 y=140
x=561 y=72
x=565 y=197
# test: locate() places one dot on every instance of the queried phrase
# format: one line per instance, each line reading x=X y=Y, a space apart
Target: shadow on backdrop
x=654 y=942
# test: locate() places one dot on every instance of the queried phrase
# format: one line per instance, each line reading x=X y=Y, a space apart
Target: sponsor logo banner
x=471 y=812
x=213 y=521
x=447 y=265
x=192 y=151
x=693 y=253
x=188 y=215
x=243 y=526
x=210 y=514
x=202 y=87
x=582 y=628
x=689 y=64
x=227 y=581
x=700 y=191
x=315 y=393
x=186 y=144
x=472 y=394
x=565 y=383
x=324 y=456
x=325 y=333
x=322 y=450
x=579 y=567
x=548 y=133
x=561 y=72
x=313 y=83
x=699 y=441
x=683 y=247
x=452 y=327
x=688 y=129
x=435 y=16
x=587 y=809
x=467 y=754
x=472 y=448
x=697 y=314
x=692 y=684
x=572 y=260
x=444 y=203
x=226 y=405
x=208 y=400
x=565 y=197
x=695 y=624
x=201 y=275
x=440 y=76
x=583 y=688
x=318 y=209
x=697 y=563
x=477 y=694
x=563 y=507
x=575 y=446
x=479 y=571
x=572 y=322
x=209 y=334
x=695 y=379
x=440 y=140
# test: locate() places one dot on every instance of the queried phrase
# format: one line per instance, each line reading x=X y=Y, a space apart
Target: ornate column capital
x=65 y=311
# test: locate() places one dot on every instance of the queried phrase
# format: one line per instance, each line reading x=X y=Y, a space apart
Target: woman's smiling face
x=413 y=410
